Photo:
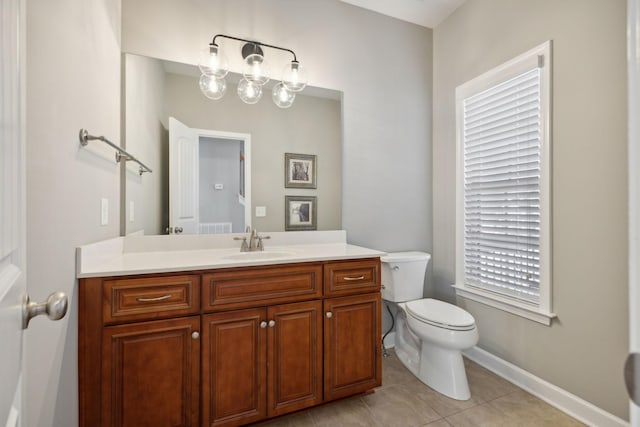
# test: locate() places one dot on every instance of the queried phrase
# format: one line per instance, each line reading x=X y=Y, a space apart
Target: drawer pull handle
x=354 y=278
x=195 y=335
x=329 y=315
x=263 y=324
x=272 y=323
x=162 y=298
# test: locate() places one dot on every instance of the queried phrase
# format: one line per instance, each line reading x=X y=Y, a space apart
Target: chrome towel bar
x=120 y=154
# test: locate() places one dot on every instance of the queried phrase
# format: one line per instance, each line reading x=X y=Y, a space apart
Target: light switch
x=104 y=211
x=261 y=211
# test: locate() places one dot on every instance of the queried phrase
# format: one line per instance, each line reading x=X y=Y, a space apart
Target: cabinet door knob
x=272 y=323
x=329 y=315
x=263 y=324
x=195 y=335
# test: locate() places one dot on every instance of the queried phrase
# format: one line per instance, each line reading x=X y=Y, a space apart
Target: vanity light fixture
x=214 y=67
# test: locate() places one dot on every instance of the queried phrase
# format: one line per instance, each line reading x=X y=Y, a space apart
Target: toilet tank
x=403 y=275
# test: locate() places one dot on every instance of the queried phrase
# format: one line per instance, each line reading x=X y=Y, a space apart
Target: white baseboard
x=573 y=405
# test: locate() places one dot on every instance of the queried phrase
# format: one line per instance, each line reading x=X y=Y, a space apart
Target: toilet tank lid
x=405 y=256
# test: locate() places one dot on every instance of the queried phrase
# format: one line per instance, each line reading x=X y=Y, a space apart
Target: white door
x=183 y=178
x=15 y=307
x=12 y=210
x=632 y=368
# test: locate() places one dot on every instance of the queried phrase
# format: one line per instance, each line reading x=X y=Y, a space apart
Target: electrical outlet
x=261 y=211
x=104 y=211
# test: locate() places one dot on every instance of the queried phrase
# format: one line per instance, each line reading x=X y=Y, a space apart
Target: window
x=503 y=186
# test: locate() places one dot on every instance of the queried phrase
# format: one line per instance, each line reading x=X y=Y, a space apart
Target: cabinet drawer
x=352 y=277
x=150 y=298
x=258 y=286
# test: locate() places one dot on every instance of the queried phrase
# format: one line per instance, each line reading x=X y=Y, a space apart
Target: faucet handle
x=260 y=244
x=243 y=247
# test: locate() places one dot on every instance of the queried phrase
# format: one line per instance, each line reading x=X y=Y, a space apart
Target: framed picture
x=300 y=213
x=300 y=170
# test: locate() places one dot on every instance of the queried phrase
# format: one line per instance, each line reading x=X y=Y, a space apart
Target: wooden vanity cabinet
x=261 y=363
x=227 y=347
x=352 y=327
x=151 y=374
x=352 y=345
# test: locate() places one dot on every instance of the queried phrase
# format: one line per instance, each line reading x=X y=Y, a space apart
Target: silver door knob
x=632 y=377
x=263 y=324
x=55 y=307
x=329 y=315
x=272 y=323
x=195 y=335
x=177 y=230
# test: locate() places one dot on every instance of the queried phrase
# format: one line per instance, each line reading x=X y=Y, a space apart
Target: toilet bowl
x=430 y=334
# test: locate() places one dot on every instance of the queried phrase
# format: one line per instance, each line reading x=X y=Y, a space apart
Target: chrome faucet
x=254 y=243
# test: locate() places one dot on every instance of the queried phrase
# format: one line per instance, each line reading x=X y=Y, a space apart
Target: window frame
x=540 y=57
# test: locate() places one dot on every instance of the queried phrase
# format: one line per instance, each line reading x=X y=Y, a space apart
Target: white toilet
x=430 y=334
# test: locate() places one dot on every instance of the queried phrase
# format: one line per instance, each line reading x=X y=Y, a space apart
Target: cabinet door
x=234 y=367
x=150 y=374
x=295 y=356
x=352 y=345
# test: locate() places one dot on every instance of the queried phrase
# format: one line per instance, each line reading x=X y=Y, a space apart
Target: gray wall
x=145 y=139
x=73 y=82
x=584 y=350
x=382 y=65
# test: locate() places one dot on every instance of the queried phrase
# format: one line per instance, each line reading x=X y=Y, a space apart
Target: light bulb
x=294 y=77
x=212 y=87
x=212 y=62
x=282 y=97
x=256 y=69
x=249 y=91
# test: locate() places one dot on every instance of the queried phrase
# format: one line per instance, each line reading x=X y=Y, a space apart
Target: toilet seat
x=440 y=314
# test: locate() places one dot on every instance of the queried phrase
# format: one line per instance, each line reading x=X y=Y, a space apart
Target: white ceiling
x=428 y=13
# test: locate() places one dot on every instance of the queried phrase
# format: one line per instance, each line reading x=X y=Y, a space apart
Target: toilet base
x=443 y=370
x=440 y=368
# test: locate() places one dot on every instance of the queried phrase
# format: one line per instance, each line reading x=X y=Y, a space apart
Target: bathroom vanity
x=211 y=336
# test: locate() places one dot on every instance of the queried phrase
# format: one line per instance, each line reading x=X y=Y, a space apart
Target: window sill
x=505 y=304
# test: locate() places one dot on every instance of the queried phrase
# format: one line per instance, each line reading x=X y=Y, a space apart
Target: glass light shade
x=282 y=96
x=256 y=69
x=249 y=91
x=213 y=63
x=294 y=77
x=212 y=87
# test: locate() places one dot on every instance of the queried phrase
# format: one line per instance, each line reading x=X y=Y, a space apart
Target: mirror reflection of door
x=209 y=190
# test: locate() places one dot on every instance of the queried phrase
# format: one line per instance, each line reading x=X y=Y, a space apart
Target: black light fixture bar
x=254 y=43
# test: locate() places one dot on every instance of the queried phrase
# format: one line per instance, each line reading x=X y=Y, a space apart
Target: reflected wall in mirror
x=155 y=90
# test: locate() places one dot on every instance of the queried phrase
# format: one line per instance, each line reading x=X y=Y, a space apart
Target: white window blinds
x=501 y=143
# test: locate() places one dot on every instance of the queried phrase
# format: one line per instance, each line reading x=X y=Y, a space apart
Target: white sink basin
x=259 y=255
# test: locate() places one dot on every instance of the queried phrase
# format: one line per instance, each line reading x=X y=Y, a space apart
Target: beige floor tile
x=404 y=401
x=347 y=413
x=442 y=404
x=521 y=405
x=298 y=419
x=484 y=384
x=480 y=416
x=393 y=371
x=439 y=423
x=398 y=406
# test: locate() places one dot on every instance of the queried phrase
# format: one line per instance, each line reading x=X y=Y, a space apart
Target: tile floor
x=403 y=401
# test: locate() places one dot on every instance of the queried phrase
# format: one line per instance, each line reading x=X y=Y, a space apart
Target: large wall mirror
x=215 y=162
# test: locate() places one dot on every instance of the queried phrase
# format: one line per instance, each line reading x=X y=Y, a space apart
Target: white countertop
x=161 y=254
